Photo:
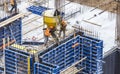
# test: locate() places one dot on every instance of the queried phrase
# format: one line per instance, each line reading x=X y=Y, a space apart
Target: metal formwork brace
x=74 y=65
x=4 y=55
x=12 y=33
x=8 y=39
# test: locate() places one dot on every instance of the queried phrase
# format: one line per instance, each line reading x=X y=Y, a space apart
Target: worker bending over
x=63 y=25
x=14 y=5
x=46 y=35
x=52 y=31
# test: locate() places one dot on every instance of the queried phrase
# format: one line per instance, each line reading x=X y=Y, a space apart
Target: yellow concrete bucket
x=49 y=19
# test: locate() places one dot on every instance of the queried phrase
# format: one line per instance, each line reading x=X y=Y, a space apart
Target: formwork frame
x=60 y=57
x=10 y=32
x=64 y=56
x=11 y=27
x=17 y=61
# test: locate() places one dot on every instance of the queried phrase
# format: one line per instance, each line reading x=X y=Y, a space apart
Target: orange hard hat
x=51 y=27
x=47 y=32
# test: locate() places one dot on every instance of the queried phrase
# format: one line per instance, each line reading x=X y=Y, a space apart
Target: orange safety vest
x=12 y=2
x=47 y=32
x=63 y=23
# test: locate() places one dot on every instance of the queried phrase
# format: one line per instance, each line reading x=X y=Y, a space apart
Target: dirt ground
x=106 y=5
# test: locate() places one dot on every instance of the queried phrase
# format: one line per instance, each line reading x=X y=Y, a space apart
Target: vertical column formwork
x=92 y=49
x=12 y=30
x=74 y=50
x=17 y=61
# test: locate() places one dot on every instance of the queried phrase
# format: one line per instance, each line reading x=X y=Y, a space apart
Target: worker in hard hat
x=52 y=31
x=14 y=5
x=63 y=25
x=56 y=13
x=46 y=35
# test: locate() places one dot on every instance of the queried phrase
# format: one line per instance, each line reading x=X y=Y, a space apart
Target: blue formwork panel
x=3 y=19
x=46 y=68
x=37 y=9
x=16 y=61
x=65 y=55
x=92 y=48
x=12 y=30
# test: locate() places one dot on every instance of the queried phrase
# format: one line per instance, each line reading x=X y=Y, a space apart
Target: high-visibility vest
x=47 y=32
x=12 y=2
x=63 y=23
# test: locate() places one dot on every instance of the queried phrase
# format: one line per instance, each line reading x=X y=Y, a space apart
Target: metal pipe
x=92 y=23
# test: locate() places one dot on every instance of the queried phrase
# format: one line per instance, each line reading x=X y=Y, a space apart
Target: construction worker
x=46 y=35
x=14 y=5
x=56 y=13
x=63 y=25
x=52 y=31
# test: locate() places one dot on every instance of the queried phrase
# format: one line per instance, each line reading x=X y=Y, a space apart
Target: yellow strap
x=28 y=65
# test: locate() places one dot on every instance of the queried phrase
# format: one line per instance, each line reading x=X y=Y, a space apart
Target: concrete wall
x=112 y=62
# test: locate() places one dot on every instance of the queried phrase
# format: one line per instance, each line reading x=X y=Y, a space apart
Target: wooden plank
x=9 y=20
x=11 y=42
x=76 y=44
